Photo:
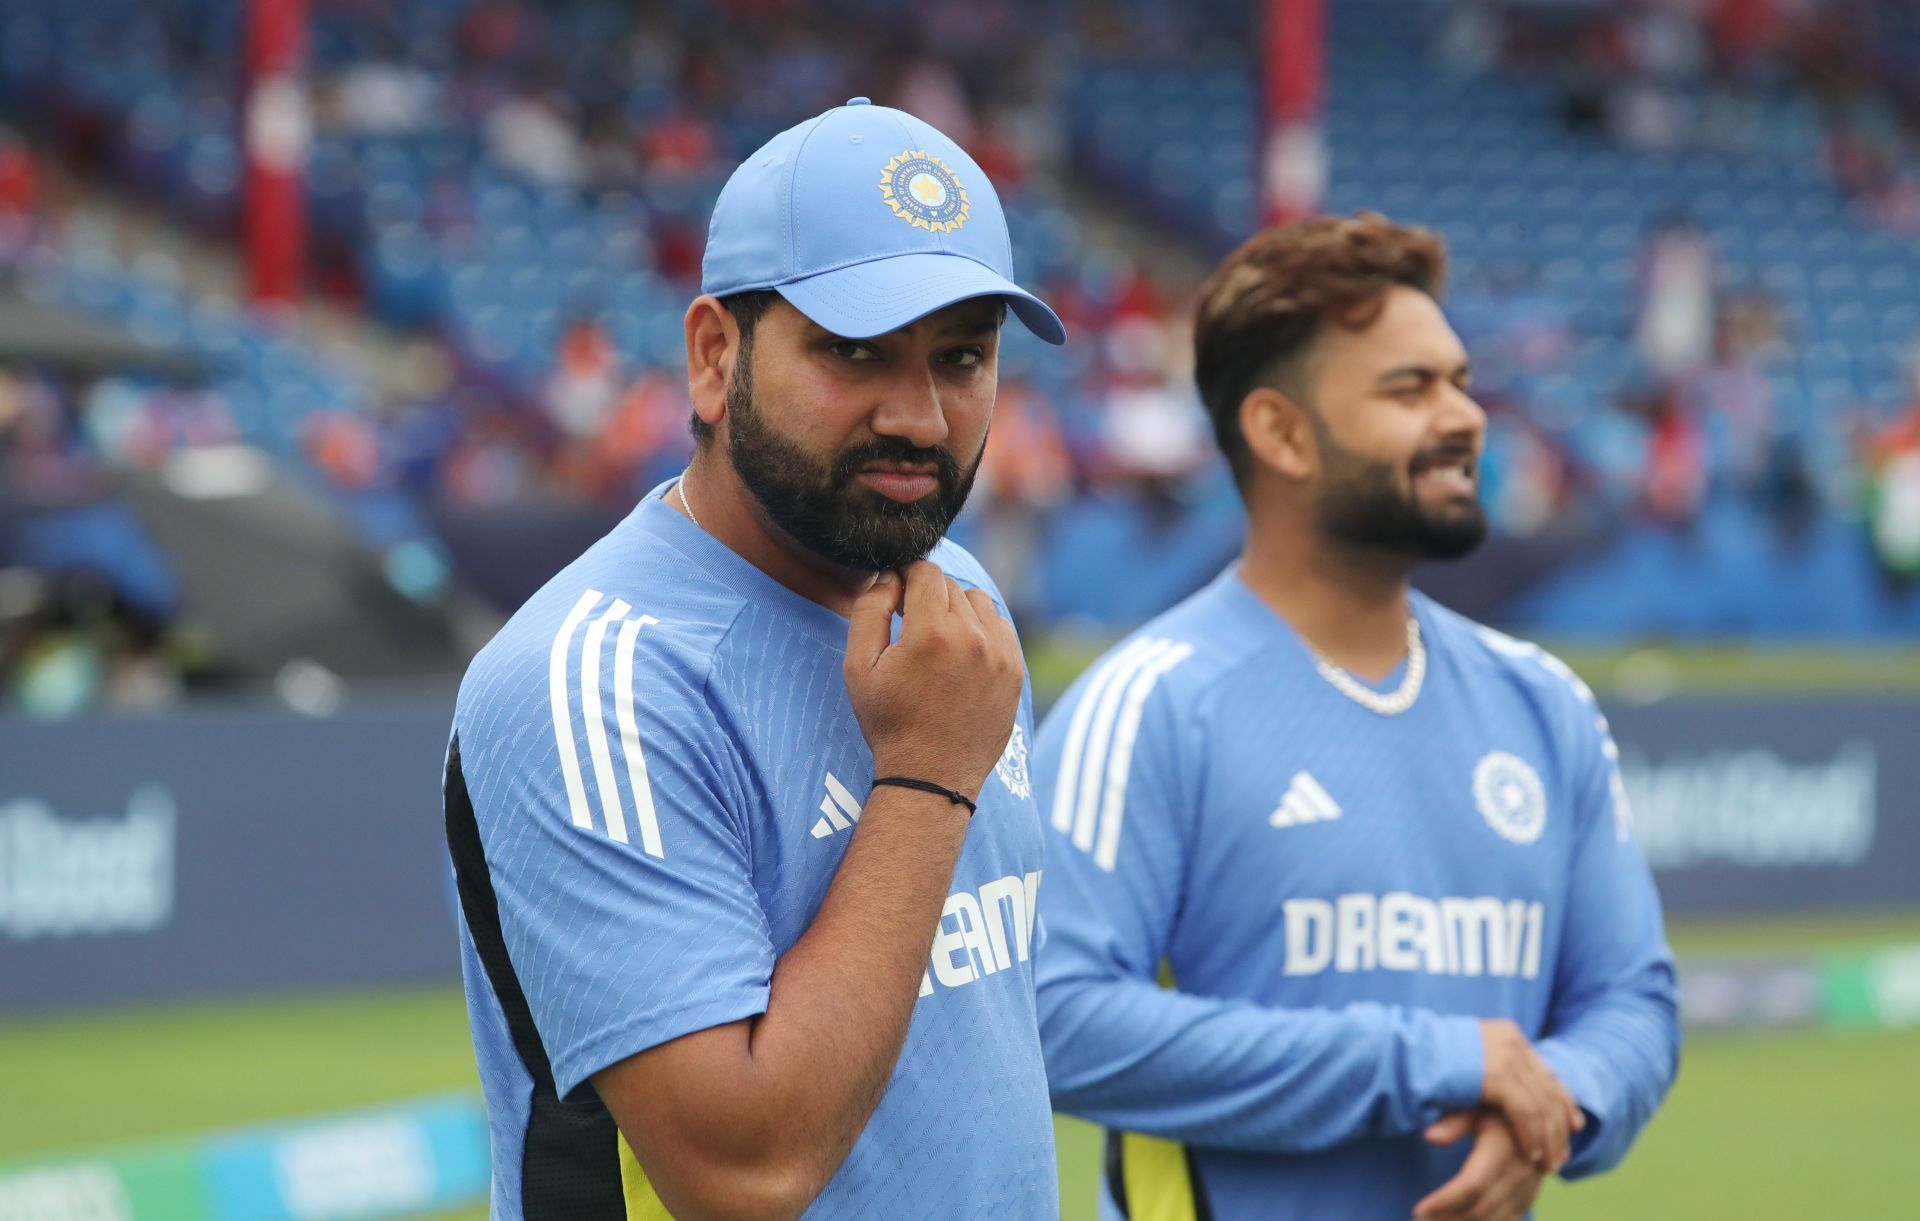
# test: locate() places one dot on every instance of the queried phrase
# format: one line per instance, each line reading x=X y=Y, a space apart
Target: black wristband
x=927 y=786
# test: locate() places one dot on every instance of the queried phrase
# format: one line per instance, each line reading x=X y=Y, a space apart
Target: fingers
x=1547 y=1128
x=1451 y=1127
x=927 y=593
x=1524 y=1088
x=1494 y=1184
x=870 y=628
x=1479 y=1175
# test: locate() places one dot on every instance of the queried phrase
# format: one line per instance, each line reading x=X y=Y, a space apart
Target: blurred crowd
x=653 y=106
x=1669 y=76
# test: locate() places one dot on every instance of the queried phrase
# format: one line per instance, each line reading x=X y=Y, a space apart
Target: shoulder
x=1494 y=654
x=1561 y=698
x=1176 y=664
x=627 y=618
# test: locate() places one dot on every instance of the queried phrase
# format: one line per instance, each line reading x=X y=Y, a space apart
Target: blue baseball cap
x=865 y=218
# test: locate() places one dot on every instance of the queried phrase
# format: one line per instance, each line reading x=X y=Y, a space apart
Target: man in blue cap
x=717 y=789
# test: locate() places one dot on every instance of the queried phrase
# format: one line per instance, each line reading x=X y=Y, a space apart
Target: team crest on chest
x=1510 y=796
x=1012 y=768
x=924 y=192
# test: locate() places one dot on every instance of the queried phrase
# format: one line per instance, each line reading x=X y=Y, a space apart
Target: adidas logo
x=841 y=810
x=1305 y=802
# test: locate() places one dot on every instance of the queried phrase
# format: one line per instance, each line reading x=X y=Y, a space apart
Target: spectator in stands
x=586 y=379
x=1673 y=330
x=532 y=133
x=1025 y=475
x=1675 y=486
x=1890 y=460
x=20 y=196
x=1732 y=390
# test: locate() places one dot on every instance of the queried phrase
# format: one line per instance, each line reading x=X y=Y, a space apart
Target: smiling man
x=715 y=791
x=1379 y=854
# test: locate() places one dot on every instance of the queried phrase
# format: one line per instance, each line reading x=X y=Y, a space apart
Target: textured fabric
x=665 y=771
x=1341 y=895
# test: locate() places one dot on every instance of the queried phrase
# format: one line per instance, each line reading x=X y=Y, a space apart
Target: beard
x=818 y=505
x=1363 y=505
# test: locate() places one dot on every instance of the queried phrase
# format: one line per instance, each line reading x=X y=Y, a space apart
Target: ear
x=713 y=340
x=1279 y=434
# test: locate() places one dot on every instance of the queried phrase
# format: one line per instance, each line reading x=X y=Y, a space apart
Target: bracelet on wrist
x=927 y=786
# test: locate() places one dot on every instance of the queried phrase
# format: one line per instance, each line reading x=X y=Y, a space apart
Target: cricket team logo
x=924 y=192
x=1012 y=768
x=1510 y=796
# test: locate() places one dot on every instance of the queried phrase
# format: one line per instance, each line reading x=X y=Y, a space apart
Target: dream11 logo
x=71 y=877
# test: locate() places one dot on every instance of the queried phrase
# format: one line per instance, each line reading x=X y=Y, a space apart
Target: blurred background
x=329 y=329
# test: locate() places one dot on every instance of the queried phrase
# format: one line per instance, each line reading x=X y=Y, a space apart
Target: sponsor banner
x=222 y=853
x=1775 y=804
x=395 y=1161
x=1878 y=990
x=227 y=852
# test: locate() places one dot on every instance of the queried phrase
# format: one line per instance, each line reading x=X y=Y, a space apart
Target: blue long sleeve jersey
x=1338 y=895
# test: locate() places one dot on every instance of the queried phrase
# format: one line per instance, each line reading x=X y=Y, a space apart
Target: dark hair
x=1263 y=307
x=747 y=309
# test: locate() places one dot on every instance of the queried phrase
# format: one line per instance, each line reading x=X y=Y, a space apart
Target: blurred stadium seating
x=526 y=187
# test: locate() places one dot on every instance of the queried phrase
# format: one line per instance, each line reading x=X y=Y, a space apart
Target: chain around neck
x=680 y=487
x=1391 y=703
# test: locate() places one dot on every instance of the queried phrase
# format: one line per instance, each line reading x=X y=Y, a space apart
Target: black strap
x=928 y=786
x=570 y=1164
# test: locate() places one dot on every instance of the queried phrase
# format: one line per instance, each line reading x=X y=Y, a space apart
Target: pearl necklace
x=1394 y=702
x=680 y=486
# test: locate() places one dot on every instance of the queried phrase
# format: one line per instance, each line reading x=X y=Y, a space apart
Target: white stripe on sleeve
x=1067 y=783
x=630 y=736
x=557 y=688
x=597 y=747
x=1114 y=803
x=1099 y=737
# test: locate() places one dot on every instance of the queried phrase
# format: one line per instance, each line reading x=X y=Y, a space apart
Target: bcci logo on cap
x=922 y=190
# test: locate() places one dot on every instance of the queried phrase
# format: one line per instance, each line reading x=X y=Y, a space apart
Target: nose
x=1462 y=417
x=911 y=409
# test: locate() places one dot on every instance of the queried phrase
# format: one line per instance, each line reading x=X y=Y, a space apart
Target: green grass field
x=1766 y=1126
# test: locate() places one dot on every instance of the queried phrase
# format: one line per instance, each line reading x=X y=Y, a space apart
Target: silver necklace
x=680 y=486
x=1394 y=702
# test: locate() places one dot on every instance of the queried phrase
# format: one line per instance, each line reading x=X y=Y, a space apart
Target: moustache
x=893 y=449
x=1444 y=455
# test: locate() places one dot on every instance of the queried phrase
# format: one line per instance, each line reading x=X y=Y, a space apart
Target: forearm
x=759 y=1123
x=843 y=996
x=1233 y=1074
x=1618 y=1056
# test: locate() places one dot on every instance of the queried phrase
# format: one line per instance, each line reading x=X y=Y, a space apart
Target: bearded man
x=1341 y=879
x=709 y=804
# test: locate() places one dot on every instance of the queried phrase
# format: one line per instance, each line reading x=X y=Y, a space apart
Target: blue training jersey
x=655 y=771
x=1275 y=915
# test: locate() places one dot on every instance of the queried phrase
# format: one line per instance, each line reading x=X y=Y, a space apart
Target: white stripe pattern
x=1113 y=806
x=630 y=736
x=1121 y=664
x=597 y=747
x=1090 y=801
x=557 y=689
x=560 y=692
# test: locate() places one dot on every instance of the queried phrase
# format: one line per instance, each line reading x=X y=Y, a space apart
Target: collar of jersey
x=728 y=567
x=1264 y=618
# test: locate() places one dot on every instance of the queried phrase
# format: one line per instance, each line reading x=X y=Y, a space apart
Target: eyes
x=857 y=351
x=1413 y=390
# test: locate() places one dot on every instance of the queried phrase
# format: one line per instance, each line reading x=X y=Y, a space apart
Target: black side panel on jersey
x=570 y=1168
